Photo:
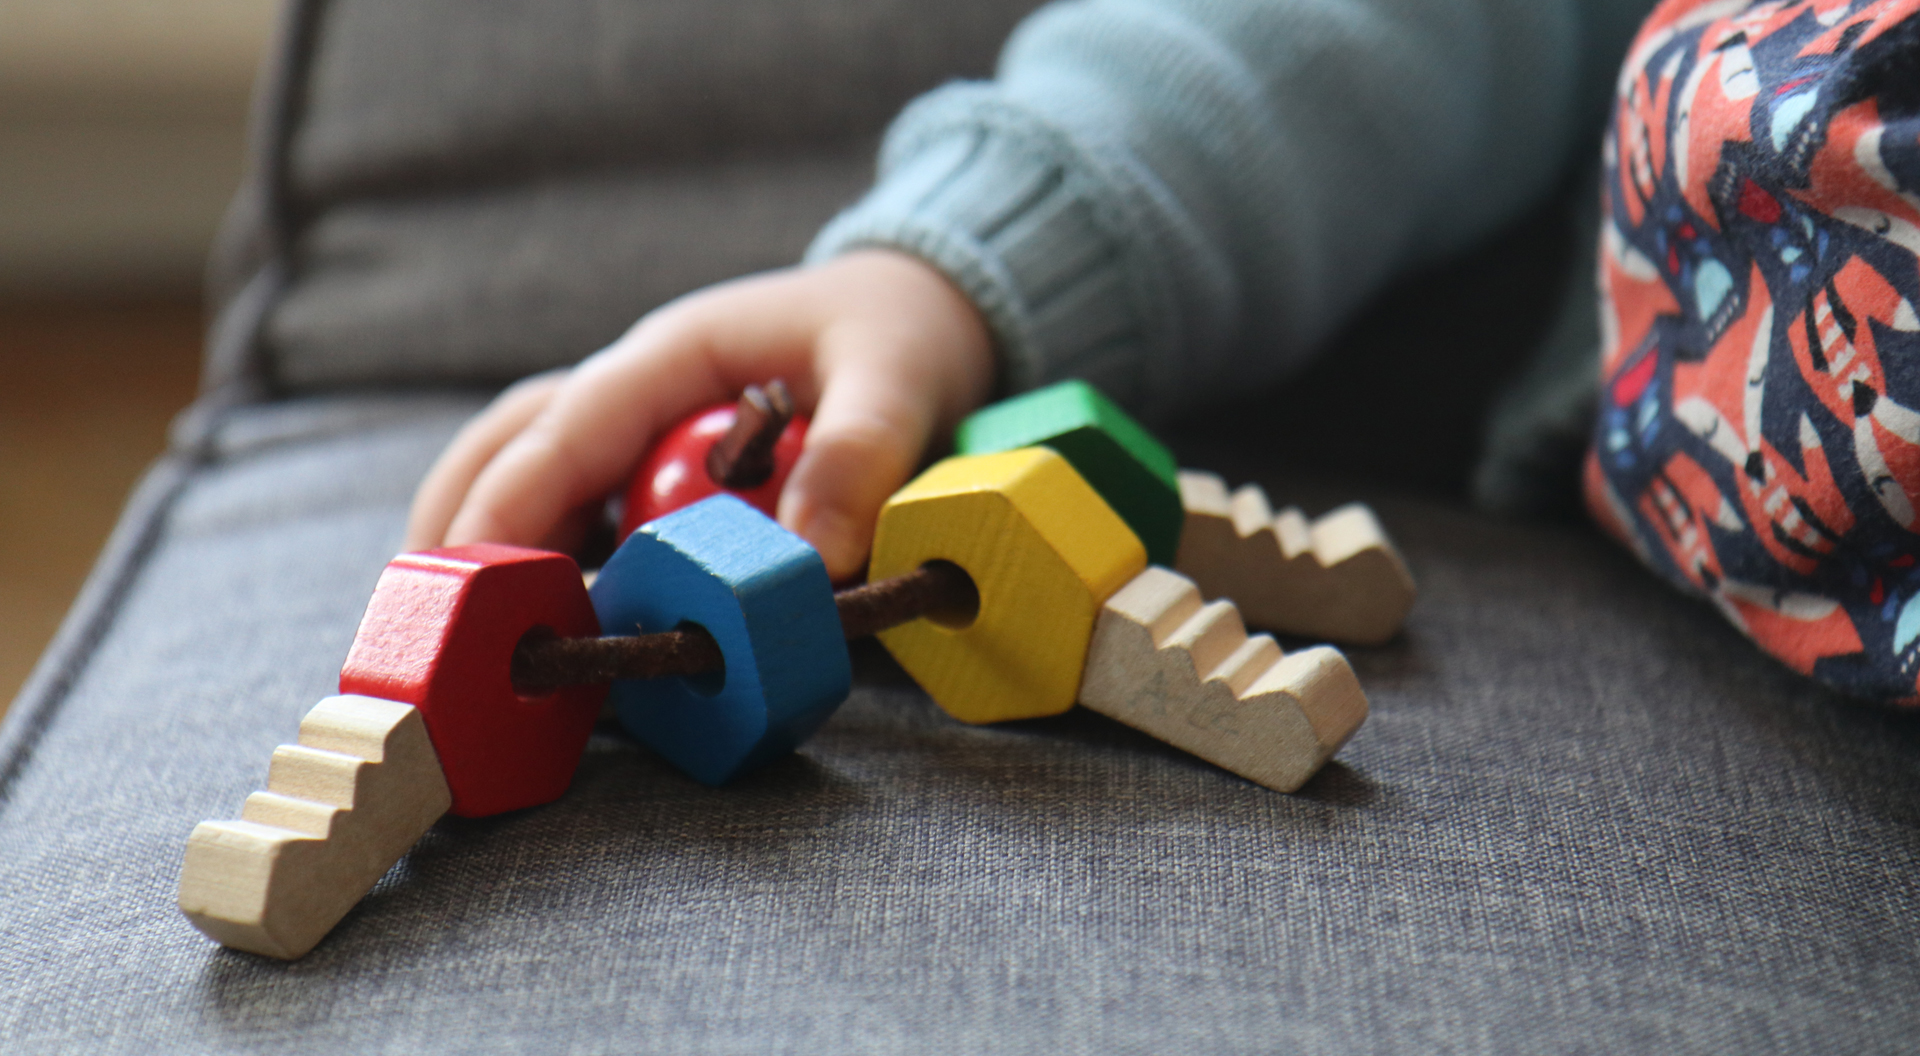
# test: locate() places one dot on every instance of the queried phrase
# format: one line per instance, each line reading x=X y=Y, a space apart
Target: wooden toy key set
x=1032 y=570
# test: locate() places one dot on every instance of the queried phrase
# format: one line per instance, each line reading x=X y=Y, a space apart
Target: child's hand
x=879 y=347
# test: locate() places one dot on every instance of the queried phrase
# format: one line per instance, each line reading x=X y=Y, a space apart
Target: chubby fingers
x=885 y=350
x=866 y=437
x=453 y=473
x=889 y=382
x=585 y=441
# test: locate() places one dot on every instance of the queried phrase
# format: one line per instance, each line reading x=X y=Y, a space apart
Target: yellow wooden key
x=1043 y=550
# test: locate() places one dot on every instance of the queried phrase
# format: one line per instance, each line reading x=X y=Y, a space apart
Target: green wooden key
x=1123 y=462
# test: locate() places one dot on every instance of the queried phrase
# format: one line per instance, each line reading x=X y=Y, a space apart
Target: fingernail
x=834 y=536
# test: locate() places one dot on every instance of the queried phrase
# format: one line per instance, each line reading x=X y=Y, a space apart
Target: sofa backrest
x=452 y=191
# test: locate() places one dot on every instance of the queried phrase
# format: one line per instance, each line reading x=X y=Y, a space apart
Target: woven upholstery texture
x=1585 y=816
x=1558 y=832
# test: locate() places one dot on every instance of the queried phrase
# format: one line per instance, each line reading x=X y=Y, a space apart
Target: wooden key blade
x=341 y=808
x=1338 y=577
x=1188 y=674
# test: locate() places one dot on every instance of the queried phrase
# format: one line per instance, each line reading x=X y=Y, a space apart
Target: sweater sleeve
x=1176 y=199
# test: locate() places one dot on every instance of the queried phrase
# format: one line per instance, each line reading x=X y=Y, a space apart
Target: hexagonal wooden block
x=1123 y=462
x=764 y=596
x=1043 y=549
x=439 y=633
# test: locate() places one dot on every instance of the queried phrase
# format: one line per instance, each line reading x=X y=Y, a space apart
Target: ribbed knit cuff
x=1013 y=214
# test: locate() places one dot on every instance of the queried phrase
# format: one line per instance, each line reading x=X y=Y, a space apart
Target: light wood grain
x=1185 y=671
x=341 y=807
x=1338 y=577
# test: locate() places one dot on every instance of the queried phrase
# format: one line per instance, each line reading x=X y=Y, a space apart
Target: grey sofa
x=1585 y=815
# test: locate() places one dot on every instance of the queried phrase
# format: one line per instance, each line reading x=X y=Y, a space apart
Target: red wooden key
x=440 y=633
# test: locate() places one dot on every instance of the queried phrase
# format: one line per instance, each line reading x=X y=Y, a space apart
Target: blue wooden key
x=764 y=596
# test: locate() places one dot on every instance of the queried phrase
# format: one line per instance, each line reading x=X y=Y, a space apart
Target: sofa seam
x=235 y=371
x=237 y=368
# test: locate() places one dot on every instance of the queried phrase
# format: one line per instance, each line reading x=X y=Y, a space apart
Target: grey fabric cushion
x=487 y=285
x=477 y=191
x=1585 y=816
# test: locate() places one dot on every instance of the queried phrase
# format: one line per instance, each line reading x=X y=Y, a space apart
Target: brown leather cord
x=743 y=458
x=937 y=589
x=544 y=663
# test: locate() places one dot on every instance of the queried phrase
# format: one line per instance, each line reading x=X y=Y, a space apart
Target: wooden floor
x=85 y=400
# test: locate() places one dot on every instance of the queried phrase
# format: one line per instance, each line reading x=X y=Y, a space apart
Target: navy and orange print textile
x=1759 y=432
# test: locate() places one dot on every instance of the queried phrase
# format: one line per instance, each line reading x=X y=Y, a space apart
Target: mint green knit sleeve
x=1176 y=199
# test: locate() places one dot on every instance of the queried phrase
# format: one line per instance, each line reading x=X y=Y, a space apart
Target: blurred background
x=122 y=133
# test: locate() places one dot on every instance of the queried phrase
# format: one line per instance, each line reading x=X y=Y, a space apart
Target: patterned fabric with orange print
x=1759 y=432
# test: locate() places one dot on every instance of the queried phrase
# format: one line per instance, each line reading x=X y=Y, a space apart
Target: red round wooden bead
x=674 y=473
x=439 y=634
